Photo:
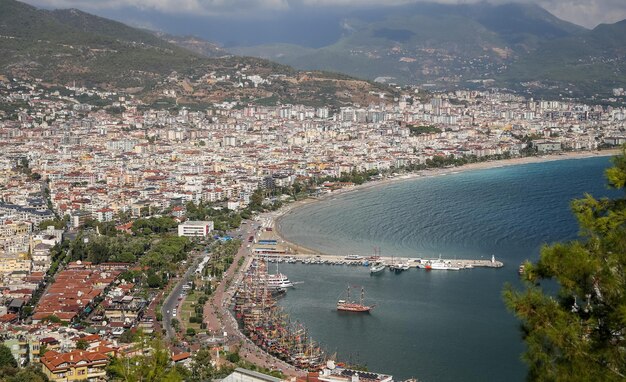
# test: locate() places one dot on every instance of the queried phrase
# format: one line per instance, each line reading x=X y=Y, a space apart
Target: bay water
x=438 y=325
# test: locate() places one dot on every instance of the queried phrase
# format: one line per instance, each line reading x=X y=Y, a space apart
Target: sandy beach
x=296 y=248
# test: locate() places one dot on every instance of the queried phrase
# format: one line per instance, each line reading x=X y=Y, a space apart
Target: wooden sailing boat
x=354 y=306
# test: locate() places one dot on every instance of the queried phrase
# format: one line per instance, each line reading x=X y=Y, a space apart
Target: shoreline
x=278 y=215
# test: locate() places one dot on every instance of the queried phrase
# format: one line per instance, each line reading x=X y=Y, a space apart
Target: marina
x=268 y=326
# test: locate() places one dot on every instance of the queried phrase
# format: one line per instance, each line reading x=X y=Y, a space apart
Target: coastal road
x=216 y=308
x=171 y=301
x=219 y=319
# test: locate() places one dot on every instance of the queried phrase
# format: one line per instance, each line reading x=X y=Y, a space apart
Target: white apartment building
x=195 y=228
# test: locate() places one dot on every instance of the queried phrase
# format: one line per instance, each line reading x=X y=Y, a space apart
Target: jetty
x=368 y=260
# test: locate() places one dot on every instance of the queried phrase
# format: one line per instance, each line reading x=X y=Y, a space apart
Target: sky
x=588 y=13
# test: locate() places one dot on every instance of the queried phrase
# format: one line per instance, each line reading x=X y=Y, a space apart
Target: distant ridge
x=458 y=45
x=70 y=46
x=585 y=63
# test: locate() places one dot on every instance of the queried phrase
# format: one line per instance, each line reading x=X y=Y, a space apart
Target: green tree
x=156 y=367
x=153 y=225
x=31 y=373
x=201 y=369
x=52 y=318
x=6 y=358
x=82 y=344
x=153 y=280
x=579 y=333
x=56 y=223
x=233 y=357
x=175 y=323
x=42 y=350
x=256 y=200
x=127 y=337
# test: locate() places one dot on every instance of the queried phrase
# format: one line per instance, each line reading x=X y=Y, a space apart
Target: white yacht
x=441 y=265
x=278 y=281
x=377 y=268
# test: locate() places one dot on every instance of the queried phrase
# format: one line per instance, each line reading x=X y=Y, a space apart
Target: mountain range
x=519 y=46
x=70 y=45
x=73 y=47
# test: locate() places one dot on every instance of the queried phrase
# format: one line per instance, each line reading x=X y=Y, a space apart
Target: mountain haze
x=581 y=64
x=452 y=45
x=427 y=41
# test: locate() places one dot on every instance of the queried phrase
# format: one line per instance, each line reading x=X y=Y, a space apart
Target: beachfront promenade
x=220 y=321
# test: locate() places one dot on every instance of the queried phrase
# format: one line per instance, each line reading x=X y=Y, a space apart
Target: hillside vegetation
x=69 y=46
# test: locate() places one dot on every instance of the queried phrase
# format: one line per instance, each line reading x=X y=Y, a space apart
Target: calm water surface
x=435 y=326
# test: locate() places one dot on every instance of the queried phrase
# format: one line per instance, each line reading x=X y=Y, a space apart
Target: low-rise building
x=245 y=375
x=195 y=228
x=20 y=349
x=104 y=215
x=42 y=258
x=74 y=366
x=544 y=147
x=14 y=262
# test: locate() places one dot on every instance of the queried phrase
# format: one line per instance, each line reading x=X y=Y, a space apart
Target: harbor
x=427 y=319
x=270 y=245
x=267 y=244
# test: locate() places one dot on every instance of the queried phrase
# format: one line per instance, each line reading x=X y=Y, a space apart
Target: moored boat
x=278 y=281
x=377 y=268
x=399 y=267
x=442 y=266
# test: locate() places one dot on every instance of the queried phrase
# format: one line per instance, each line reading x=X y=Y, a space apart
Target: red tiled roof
x=180 y=356
x=9 y=317
x=61 y=361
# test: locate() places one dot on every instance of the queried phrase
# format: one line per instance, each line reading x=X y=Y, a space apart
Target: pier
x=367 y=260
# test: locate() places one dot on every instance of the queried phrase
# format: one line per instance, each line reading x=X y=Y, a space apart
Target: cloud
x=588 y=13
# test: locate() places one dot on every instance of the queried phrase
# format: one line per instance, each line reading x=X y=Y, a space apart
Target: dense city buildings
x=66 y=163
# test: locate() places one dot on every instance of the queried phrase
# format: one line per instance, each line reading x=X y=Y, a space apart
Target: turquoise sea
x=435 y=326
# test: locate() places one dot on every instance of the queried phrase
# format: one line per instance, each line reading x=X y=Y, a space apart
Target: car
x=174 y=314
